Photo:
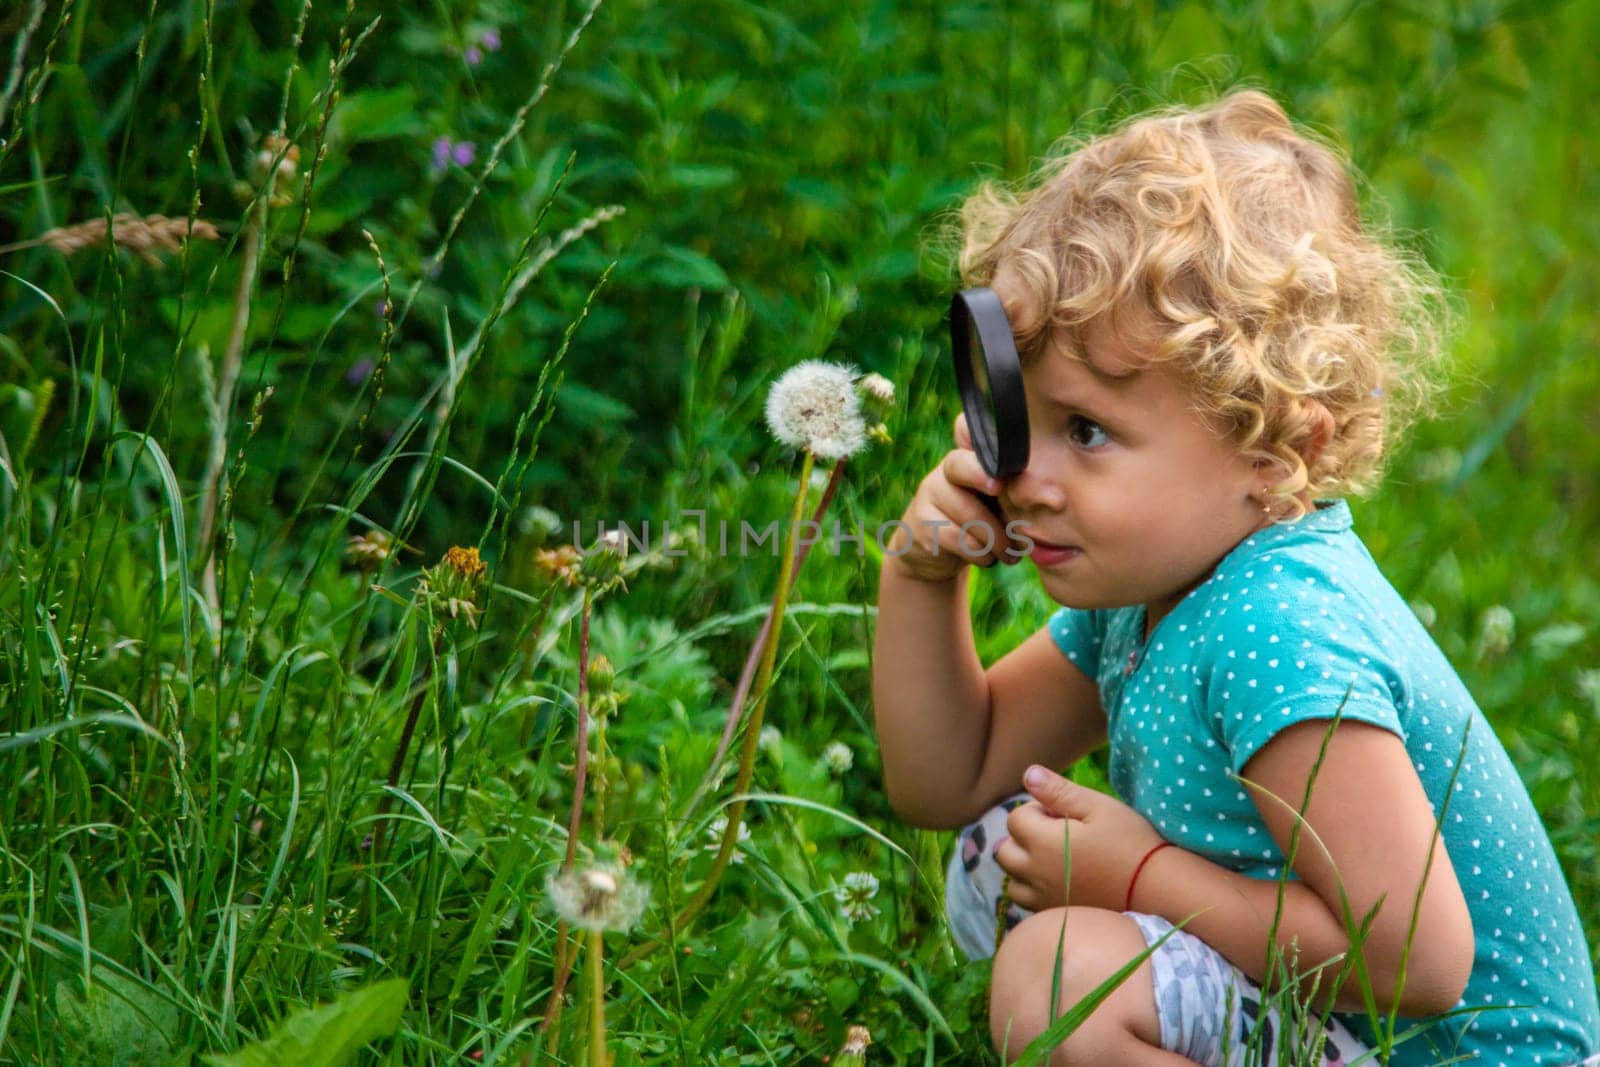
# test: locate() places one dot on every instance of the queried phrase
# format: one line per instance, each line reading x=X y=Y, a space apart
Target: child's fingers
x=965 y=528
x=962 y=469
x=962 y=434
x=1012 y=858
x=1030 y=823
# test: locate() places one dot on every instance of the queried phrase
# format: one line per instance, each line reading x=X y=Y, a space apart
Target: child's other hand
x=932 y=545
x=1108 y=839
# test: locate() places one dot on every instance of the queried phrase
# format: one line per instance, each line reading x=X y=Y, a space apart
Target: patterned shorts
x=1209 y=1010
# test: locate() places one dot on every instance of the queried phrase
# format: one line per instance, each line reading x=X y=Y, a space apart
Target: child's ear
x=1311 y=436
x=1317 y=433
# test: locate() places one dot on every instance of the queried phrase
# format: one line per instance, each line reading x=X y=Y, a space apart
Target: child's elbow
x=1437 y=970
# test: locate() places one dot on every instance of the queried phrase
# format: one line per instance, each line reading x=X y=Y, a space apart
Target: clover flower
x=815 y=406
x=597 y=898
x=770 y=740
x=718 y=827
x=838 y=757
x=855 y=895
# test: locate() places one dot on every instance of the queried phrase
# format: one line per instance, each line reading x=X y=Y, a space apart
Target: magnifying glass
x=990 y=377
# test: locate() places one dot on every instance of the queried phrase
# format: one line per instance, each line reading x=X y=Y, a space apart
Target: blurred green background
x=764 y=184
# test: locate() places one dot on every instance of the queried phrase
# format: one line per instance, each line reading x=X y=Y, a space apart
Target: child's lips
x=1050 y=554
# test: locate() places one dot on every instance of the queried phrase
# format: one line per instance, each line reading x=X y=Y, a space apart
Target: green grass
x=193 y=781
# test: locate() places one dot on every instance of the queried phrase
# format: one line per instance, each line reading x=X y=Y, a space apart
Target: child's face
x=1123 y=469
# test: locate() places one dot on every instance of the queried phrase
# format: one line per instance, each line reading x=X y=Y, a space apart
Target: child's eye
x=1086 y=433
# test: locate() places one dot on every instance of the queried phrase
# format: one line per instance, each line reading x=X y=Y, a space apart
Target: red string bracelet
x=1135 y=879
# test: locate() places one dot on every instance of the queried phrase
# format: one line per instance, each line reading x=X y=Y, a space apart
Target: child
x=1214 y=344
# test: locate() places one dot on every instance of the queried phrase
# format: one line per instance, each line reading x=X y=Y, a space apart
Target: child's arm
x=1376 y=825
x=954 y=738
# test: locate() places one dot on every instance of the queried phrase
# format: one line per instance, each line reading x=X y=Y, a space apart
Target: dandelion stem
x=742 y=692
x=564 y=951
x=752 y=734
x=597 y=1002
x=581 y=771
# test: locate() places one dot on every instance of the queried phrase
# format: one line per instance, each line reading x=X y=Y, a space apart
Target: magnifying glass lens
x=990 y=377
x=980 y=412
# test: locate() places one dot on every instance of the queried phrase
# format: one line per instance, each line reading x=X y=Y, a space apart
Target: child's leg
x=1184 y=1004
x=1124 y=1030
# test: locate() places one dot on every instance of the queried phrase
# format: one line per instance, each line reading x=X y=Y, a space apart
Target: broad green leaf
x=327 y=1036
x=118 y=1021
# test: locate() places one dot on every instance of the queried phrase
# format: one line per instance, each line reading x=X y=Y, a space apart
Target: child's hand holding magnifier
x=955 y=519
x=947 y=527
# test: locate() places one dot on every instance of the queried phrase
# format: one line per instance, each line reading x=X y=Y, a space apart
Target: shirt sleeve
x=1079 y=635
x=1277 y=670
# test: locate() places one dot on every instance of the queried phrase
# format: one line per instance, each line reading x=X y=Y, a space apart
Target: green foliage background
x=185 y=793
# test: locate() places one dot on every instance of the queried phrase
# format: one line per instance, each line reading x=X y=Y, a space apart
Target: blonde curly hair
x=1243 y=239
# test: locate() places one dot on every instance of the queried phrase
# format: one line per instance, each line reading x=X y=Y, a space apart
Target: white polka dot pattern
x=1296 y=621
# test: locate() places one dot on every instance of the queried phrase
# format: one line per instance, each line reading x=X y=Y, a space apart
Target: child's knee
x=1093 y=944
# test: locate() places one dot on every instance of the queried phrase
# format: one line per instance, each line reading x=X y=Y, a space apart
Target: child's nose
x=1036 y=488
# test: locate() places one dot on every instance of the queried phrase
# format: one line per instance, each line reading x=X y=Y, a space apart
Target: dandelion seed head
x=597 y=898
x=815 y=406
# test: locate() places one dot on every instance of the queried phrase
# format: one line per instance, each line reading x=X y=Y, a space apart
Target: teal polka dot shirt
x=1296 y=620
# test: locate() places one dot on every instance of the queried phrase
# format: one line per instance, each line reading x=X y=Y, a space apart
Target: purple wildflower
x=464 y=153
x=441 y=155
x=381 y=308
x=359 y=371
x=473 y=55
x=490 y=39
